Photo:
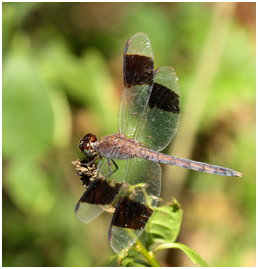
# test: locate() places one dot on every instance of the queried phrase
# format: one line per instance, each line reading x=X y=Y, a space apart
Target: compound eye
x=93 y=138
x=84 y=145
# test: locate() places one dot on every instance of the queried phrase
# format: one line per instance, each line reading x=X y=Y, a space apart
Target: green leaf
x=133 y=262
x=112 y=261
x=126 y=259
x=195 y=257
x=28 y=122
x=164 y=224
x=28 y=186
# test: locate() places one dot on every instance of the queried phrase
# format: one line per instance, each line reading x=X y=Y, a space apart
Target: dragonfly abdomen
x=186 y=163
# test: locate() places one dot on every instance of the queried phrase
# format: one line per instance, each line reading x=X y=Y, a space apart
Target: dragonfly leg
x=114 y=165
x=91 y=162
x=109 y=167
x=100 y=160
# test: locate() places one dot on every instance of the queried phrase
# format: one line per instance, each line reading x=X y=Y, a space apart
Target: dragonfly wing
x=100 y=194
x=161 y=119
x=139 y=195
x=86 y=212
x=138 y=69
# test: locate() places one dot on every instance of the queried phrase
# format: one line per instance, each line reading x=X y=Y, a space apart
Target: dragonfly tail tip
x=238 y=174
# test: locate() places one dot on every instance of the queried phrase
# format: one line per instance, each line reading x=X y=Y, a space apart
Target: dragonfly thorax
x=86 y=144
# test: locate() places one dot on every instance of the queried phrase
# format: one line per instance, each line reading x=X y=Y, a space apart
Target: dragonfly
x=127 y=164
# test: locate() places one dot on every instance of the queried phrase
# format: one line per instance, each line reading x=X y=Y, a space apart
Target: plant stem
x=148 y=255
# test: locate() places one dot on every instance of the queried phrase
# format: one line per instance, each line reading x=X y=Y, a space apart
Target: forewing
x=101 y=193
x=138 y=66
x=139 y=195
x=161 y=119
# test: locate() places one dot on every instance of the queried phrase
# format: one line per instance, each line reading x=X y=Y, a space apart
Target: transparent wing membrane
x=140 y=195
x=138 y=66
x=161 y=119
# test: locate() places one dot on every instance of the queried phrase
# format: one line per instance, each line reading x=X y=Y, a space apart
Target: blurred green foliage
x=62 y=78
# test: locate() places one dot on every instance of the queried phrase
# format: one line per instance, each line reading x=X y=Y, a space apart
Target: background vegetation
x=62 y=78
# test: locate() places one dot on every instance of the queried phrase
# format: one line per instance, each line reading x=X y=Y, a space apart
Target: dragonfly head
x=86 y=144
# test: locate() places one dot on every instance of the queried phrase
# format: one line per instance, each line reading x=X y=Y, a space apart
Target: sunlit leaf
x=195 y=257
x=164 y=224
